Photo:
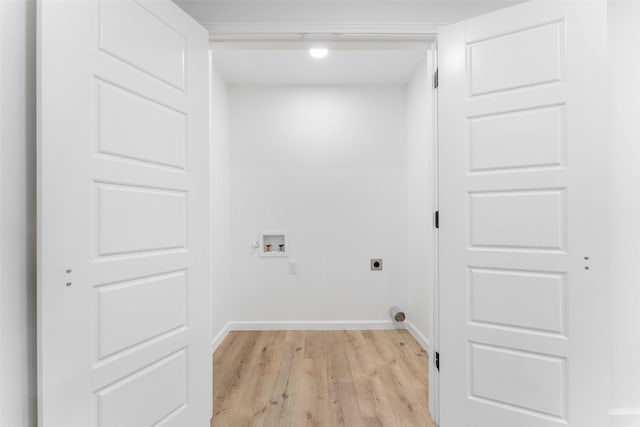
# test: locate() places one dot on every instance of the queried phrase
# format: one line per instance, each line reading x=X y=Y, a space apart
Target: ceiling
x=292 y=66
x=412 y=16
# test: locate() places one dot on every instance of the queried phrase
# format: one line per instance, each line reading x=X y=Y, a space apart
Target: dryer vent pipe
x=396 y=314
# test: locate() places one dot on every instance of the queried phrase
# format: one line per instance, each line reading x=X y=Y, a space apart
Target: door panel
x=526 y=300
x=133 y=220
x=123 y=324
x=123 y=216
x=133 y=127
x=133 y=34
x=159 y=390
x=522 y=189
x=498 y=375
x=519 y=219
x=521 y=58
x=530 y=138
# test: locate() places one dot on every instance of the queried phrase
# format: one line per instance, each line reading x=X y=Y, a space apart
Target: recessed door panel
x=533 y=138
x=133 y=312
x=527 y=300
x=521 y=380
x=131 y=32
x=145 y=398
x=523 y=219
x=132 y=219
x=132 y=127
x=523 y=58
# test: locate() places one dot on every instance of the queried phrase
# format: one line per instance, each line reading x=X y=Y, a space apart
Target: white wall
x=420 y=191
x=220 y=221
x=624 y=39
x=17 y=215
x=328 y=166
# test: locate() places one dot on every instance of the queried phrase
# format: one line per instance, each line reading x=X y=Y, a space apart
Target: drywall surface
x=308 y=16
x=624 y=39
x=327 y=165
x=420 y=193
x=17 y=214
x=220 y=220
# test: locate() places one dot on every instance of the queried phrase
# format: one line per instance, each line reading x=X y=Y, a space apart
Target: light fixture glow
x=318 y=52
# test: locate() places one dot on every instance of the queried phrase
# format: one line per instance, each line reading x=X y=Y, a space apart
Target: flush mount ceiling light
x=318 y=52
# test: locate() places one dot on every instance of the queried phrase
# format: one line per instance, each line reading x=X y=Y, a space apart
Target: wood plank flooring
x=321 y=378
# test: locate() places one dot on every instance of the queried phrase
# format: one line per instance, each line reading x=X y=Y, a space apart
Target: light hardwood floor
x=321 y=378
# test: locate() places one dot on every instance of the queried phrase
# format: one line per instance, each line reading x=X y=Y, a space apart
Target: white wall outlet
x=376 y=264
x=293 y=266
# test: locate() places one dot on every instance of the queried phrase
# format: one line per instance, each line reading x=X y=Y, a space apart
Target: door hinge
x=437 y=361
x=436 y=219
x=435 y=79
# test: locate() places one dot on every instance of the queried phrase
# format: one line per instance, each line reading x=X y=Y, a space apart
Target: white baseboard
x=220 y=336
x=311 y=325
x=624 y=417
x=422 y=339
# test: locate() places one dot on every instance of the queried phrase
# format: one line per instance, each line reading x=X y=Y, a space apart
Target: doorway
x=338 y=154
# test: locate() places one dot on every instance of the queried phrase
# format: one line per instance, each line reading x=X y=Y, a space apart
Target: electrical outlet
x=376 y=264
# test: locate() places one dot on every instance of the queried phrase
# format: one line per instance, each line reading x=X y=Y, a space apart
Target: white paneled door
x=523 y=309
x=123 y=215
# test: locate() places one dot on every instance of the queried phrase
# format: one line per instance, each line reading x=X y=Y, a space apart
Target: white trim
x=434 y=374
x=2 y=119
x=308 y=325
x=629 y=417
x=220 y=336
x=218 y=28
x=419 y=336
x=314 y=325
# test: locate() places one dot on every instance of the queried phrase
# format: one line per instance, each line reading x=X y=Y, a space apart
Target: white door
x=523 y=289
x=123 y=211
